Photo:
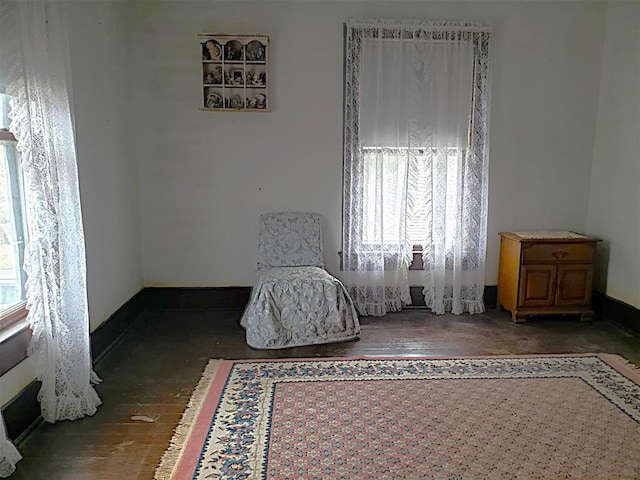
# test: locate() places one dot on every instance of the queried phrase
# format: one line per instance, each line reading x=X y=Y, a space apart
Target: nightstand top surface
x=548 y=236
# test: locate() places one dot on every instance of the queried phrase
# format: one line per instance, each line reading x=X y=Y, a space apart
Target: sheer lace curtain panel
x=415 y=162
x=34 y=62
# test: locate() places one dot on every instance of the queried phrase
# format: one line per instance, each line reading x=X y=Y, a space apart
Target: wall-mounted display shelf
x=235 y=73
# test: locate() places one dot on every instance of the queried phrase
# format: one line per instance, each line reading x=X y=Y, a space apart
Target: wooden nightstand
x=546 y=272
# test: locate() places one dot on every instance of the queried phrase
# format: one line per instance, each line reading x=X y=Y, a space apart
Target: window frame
x=15 y=313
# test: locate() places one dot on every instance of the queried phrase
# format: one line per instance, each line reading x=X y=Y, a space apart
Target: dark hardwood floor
x=153 y=369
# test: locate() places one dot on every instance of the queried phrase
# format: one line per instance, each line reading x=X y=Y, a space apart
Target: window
x=12 y=224
x=415 y=162
x=394 y=164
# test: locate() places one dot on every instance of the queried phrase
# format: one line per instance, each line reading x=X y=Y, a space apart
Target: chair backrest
x=290 y=239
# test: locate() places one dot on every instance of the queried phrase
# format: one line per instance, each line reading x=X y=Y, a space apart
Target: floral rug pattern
x=492 y=417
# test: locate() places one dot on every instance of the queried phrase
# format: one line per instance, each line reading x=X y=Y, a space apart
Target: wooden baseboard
x=110 y=331
x=206 y=298
x=199 y=298
x=618 y=312
x=22 y=413
x=490 y=296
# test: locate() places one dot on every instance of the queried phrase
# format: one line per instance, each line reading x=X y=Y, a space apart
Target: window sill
x=16 y=328
x=13 y=315
x=416 y=263
x=15 y=337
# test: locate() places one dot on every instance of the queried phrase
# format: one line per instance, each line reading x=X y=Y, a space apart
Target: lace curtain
x=9 y=454
x=36 y=47
x=415 y=162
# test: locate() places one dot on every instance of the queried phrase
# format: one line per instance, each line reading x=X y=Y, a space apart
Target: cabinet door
x=574 y=285
x=537 y=285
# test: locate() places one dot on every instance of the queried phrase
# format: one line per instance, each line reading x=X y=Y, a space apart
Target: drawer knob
x=559 y=254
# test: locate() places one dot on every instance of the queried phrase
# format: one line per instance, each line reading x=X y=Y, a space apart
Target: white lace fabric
x=9 y=454
x=55 y=255
x=415 y=162
x=290 y=239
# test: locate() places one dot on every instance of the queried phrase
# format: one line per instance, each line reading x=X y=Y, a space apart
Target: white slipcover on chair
x=296 y=301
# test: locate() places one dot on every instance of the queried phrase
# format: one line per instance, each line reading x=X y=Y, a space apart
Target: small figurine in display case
x=211 y=50
x=255 y=51
x=233 y=50
x=208 y=78
x=237 y=77
x=235 y=102
x=258 y=102
x=258 y=79
x=214 y=100
x=217 y=75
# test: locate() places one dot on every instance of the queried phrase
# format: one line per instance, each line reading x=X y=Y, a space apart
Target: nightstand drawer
x=557 y=252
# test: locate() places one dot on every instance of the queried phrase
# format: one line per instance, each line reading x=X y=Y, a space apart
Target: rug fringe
x=171 y=456
x=622 y=365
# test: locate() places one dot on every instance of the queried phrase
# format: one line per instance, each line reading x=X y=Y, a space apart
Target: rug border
x=183 y=432
x=614 y=360
x=621 y=365
x=217 y=370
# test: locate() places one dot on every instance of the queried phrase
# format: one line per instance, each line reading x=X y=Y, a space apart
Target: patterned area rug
x=523 y=417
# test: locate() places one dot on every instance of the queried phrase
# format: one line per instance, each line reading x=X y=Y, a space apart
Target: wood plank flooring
x=154 y=368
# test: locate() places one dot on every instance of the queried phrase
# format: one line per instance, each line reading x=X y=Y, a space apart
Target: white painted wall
x=205 y=177
x=99 y=34
x=17 y=379
x=98 y=37
x=614 y=199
